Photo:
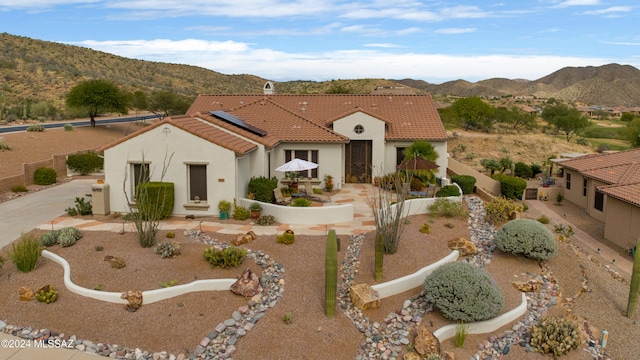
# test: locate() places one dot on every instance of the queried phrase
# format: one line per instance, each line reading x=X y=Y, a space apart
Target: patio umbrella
x=417 y=163
x=297 y=165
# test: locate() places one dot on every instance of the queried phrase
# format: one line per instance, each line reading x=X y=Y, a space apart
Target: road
x=9 y=129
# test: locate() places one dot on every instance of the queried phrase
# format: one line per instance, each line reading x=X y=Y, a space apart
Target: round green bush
x=511 y=187
x=449 y=190
x=523 y=170
x=68 y=236
x=85 y=163
x=463 y=292
x=527 y=237
x=466 y=182
x=44 y=176
x=49 y=238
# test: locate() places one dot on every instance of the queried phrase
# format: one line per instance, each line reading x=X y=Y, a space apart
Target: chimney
x=268 y=88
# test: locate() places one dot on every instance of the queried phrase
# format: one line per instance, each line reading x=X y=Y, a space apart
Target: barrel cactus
x=555 y=335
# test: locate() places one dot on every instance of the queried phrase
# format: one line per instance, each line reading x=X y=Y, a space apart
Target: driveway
x=28 y=212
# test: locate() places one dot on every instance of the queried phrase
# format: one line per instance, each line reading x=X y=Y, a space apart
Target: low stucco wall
x=408 y=282
x=148 y=297
x=314 y=215
x=483 y=327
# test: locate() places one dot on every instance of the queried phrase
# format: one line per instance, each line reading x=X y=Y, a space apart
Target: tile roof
x=408 y=117
x=619 y=170
x=198 y=128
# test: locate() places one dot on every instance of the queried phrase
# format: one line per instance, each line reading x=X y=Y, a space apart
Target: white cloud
x=37 y=5
x=569 y=3
x=450 y=31
x=230 y=57
x=614 y=10
x=382 y=45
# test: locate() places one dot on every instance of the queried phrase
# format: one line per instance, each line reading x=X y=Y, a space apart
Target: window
x=598 y=201
x=399 y=155
x=139 y=173
x=584 y=187
x=568 y=183
x=309 y=155
x=197 y=182
x=358 y=129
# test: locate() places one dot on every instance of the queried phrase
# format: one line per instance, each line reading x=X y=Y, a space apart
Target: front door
x=358 y=161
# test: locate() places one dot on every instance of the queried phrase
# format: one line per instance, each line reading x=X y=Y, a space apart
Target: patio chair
x=431 y=191
x=281 y=200
x=308 y=189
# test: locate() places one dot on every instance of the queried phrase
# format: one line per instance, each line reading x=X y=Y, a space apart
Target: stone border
x=149 y=296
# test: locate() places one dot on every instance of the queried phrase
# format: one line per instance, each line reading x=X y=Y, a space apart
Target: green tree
x=474 y=113
x=139 y=101
x=565 y=119
x=166 y=103
x=632 y=132
x=422 y=149
x=627 y=117
x=93 y=97
x=491 y=165
x=516 y=117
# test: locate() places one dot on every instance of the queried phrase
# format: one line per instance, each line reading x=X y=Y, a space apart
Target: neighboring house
x=607 y=186
x=224 y=140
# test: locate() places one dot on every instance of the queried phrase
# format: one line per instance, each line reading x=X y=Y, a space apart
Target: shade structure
x=417 y=163
x=297 y=165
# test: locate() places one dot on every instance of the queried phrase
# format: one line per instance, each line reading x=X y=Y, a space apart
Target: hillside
x=40 y=71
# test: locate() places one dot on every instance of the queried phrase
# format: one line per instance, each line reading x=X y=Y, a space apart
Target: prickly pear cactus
x=46 y=294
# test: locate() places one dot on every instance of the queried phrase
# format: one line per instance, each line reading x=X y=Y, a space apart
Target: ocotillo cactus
x=379 y=256
x=331 y=274
x=635 y=284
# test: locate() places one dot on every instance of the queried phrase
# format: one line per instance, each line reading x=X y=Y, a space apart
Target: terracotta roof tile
x=597 y=161
x=408 y=117
x=626 y=192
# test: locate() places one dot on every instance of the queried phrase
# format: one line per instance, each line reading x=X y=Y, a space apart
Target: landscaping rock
x=247 y=285
x=364 y=297
x=425 y=342
x=464 y=246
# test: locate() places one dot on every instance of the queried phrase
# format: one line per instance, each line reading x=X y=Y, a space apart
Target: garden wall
x=482 y=181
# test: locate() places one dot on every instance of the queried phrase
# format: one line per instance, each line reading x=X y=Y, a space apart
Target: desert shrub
x=167 y=249
x=523 y=170
x=155 y=200
x=240 y=212
x=301 y=202
x=25 y=253
x=19 y=188
x=466 y=183
x=555 y=335
x=447 y=208
x=68 y=127
x=416 y=184
x=449 y=190
x=288 y=237
x=265 y=220
x=262 y=188
x=527 y=237
x=35 y=128
x=85 y=163
x=49 y=238
x=500 y=209
x=81 y=207
x=543 y=219
x=463 y=292
x=68 y=236
x=4 y=146
x=44 y=176
x=535 y=168
x=582 y=141
x=229 y=257
x=171 y=235
x=511 y=187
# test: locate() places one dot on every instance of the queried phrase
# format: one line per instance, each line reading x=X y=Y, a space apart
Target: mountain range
x=36 y=70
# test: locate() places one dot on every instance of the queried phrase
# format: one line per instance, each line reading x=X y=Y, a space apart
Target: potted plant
x=255 y=209
x=328 y=182
x=224 y=206
x=293 y=178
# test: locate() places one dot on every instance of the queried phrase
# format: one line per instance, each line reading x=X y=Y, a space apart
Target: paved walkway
x=44 y=209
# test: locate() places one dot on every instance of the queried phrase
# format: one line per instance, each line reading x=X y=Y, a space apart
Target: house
x=224 y=140
x=607 y=186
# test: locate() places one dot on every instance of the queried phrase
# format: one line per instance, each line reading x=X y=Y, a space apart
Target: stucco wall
x=575 y=193
x=374 y=130
x=153 y=146
x=591 y=192
x=622 y=223
x=482 y=181
x=330 y=160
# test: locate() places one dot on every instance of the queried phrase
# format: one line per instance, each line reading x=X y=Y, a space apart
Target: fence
x=57 y=162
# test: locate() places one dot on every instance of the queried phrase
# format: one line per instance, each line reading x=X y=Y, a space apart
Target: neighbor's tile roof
x=408 y=117
x=199 y=128
x=619 y=170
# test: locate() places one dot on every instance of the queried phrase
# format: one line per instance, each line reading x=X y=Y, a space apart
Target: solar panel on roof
x=224 y=116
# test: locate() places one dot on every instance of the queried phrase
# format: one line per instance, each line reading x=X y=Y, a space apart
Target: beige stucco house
x=224 y=140
x=607 y=186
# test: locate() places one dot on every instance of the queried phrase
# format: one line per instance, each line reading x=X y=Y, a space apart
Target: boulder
x=447 y=355
x=533 y=285
x=364 y=297
x=134 y=299
x=25 y=294
x=241 y=239
x=425 y=342
x=247 y=285
x=411 y=356
x=464 y=246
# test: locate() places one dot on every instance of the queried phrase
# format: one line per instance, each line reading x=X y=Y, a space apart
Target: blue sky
x=282 y=40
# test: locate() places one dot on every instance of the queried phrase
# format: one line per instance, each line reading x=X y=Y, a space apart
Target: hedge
x=449 y=190
x=85 y=163
x=511 y=187
x=44 y=176
x=466 y=182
